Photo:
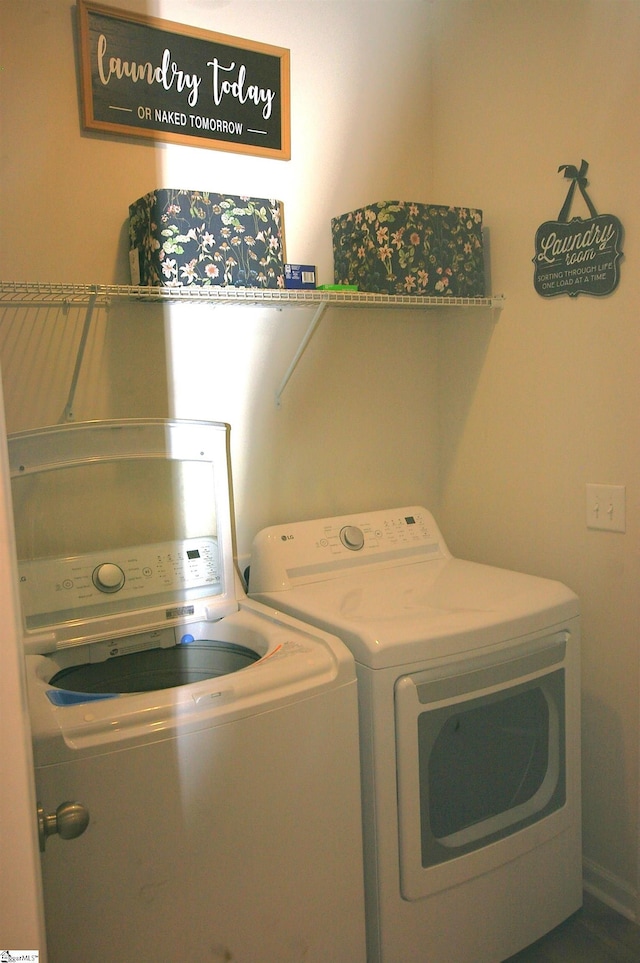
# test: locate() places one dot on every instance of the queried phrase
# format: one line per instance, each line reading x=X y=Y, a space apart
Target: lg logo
x=287 y=538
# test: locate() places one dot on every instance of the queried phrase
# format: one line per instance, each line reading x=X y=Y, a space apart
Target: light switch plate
x=606 y=507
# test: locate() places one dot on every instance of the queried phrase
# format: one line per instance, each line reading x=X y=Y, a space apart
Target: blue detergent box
x=299 y=276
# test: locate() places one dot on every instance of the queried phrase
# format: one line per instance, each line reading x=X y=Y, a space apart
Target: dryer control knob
x=108 y=577
x=352 y=537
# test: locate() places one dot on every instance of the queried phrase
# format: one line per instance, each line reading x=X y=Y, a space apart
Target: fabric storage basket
x=182 y=237
x=402 y=247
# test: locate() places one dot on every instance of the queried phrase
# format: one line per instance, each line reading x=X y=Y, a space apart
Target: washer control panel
x=52 y=588
x=305 y=551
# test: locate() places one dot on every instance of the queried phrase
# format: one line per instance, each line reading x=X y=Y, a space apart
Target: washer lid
x=121 y=526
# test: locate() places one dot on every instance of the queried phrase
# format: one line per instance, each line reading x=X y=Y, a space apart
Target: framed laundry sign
x=577 y=256
x=170 y=82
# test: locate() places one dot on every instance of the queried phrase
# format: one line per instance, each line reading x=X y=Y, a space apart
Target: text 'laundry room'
x=319 y=535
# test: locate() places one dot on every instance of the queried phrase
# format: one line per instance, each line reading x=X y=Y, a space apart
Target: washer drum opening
x=156 y=669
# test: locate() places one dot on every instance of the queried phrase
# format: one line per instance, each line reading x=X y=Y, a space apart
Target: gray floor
x=595 y=934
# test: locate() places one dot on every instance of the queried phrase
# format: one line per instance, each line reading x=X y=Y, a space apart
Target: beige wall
x=552 y=400
x=357 y=427
x=496 y=427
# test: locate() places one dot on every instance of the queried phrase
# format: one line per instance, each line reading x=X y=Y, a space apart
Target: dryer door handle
x=69 y=821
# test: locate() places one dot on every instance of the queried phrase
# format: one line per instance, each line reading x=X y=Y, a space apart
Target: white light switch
x=606 y=507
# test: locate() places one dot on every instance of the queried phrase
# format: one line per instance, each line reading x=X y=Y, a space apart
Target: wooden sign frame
x=145 y=77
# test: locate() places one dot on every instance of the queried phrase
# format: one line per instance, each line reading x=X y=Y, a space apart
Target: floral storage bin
x=181 y=238
x=400 y=247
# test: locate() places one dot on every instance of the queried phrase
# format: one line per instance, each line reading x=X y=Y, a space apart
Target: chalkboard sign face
x=152 y=78
x=578 y=256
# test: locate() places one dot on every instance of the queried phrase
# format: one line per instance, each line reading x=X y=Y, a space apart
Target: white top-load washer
x=196 y=754
x=469 y=695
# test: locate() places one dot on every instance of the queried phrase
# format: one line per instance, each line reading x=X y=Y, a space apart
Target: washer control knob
x=352 y=537
x=108 y=577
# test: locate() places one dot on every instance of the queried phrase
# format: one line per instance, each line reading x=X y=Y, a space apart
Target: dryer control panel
x=54 y=590
x=300 y=552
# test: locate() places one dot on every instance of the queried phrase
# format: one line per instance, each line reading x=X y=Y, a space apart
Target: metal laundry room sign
x=577 y=256
x=146 y=77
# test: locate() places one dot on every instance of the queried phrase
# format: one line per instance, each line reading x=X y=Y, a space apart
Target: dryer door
x=481 y=762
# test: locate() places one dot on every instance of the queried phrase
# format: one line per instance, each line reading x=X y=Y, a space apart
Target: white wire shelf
x=45 y=293
x=34 y=294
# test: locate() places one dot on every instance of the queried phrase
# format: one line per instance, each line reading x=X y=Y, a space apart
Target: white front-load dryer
x=196 y=755
x=469 y=690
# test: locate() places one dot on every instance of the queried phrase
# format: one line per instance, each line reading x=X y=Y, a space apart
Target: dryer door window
x=481 y=762
x=489 y=766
